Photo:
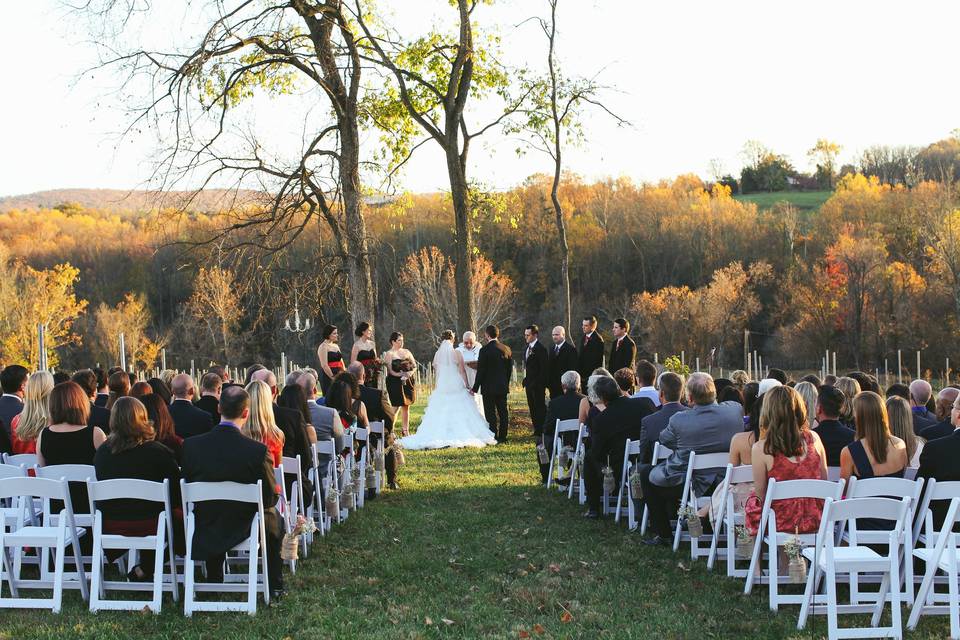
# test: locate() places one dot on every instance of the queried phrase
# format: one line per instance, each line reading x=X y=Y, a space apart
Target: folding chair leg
x=773 y=561
x=58 y=570
x=920 y=598
x=954 y=597
x=832 y=622
x=808 y=597
x=881 y=600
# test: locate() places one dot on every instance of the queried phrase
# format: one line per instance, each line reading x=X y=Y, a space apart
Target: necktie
x=556 y=350
x=586 y=339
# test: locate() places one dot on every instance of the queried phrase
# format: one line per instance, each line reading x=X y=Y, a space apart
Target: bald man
x=188 y=420
x=562 y=357
x=920 y=394
x=945 y=427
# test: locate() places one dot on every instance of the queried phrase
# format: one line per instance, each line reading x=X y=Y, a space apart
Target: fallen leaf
x=538 y=629
x=555 y=568
x=447 y=621
x=524 y=634
x=427 y=621
x=525 y=532
x=683 y=567
x=530 y=567
x=521 y=556
x=566 y=617
x=586 y=564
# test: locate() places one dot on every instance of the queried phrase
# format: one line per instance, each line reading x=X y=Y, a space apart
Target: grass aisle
x=471 y=547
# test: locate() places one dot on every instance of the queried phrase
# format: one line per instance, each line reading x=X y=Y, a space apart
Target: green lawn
x=472 y=546
x=803 y=200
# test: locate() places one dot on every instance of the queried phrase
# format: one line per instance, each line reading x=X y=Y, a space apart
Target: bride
x=451 y=418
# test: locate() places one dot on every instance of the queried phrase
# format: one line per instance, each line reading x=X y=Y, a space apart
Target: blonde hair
x=167 y=376
x=782 y=421
x=261 y=425
x=35 y=416
x=901 y=423
x=808 y=393
x=870 y=416
x=850 y=389
x=740 y=378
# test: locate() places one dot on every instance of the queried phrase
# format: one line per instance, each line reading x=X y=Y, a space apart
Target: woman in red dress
x=35 y=417
x=261 y=425
x=787 y=450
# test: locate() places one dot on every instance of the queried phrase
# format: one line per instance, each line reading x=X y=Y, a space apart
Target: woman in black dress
x=365 y=352
x=401 y=369
x=331 y=360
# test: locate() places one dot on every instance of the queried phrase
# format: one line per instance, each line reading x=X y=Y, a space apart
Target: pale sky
x=695 y=79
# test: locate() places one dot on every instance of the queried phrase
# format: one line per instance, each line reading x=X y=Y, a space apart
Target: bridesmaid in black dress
x=401 y=368
x=331 y=360
x=365 y=352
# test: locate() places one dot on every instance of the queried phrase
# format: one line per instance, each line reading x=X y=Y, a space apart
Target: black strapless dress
x=335 y=362
x=371 y=375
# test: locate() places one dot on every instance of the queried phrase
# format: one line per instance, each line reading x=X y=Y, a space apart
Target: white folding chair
x=943 y=556
x=925 y=535
x=291 y=467
x=362 y=436
x=325 y=482
x=563 y=426
x=660 y=453
x=769 y=534
x=255 y=547
x=11 y=513
x=729 y=516
x=47 y=536
x=631 y=448
x=896 y=488
x=132 y=489
x=376 y=428
x=72 y=473
x=29 y=460
x=577 y=483
x=827 y=559
x=287 y=510
x=697 y=462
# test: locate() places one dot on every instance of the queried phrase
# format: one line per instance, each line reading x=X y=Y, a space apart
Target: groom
x=494 y=367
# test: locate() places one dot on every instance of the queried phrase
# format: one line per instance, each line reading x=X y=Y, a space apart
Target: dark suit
x=623 y=353
x=295 y=443
x=563 y=407
x=938 y=460
x=561 y=360
x=923 y=419
x=379 y=410
x=939 y=430
x=612 y=427
x=188 y=420
x=494 y=368
x=211 y=405
x=101 y=400
x=9 y=407
x=535 y=383
x=99 y=417
x=835 y=436
x=5 y=445
x=651 y=427
x=223 y=454
x=590 y=357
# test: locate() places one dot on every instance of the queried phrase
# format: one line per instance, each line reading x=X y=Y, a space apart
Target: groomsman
x=591 y=350
x=624 y=349
x=494 y=368
x=535 y=377
x=563 y=358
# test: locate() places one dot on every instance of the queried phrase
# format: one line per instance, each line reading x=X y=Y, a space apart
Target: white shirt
x=470 y=355
x=648 y=392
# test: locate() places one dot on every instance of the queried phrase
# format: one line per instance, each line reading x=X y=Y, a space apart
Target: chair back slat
x=290 y=465
x=741 y=473
x=376 y=427
x=632 y=448
x=69 y=472
x=820 y=489
x=361 y=434
x=44 y=488
x=232 y=491
x=12 y=471
x=874 y=507
x=564 y=426
x=128 y=488
x=701 y=461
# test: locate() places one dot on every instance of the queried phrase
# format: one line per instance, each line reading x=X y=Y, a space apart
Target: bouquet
x=636 y=487
x=609 y=482
x=744 y=544
x=797 y=569
x=332 y=504
x=290 y=547
x=403 y=365
x=694 y=526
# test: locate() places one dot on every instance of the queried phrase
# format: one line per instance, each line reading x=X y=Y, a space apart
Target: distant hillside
x=129 y=201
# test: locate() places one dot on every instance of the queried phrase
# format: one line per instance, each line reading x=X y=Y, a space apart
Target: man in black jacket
x=621 y=420
x=920 y=393
x=938 y=460
x=210 y=385
x=13 y=380
x=535 y=376
x=624 y=349
x=225 y=455
x=945 y=400
x=188 y=421
x=563 y=407
x=591 y=350
x=562 y=358
x=494 y=368
x=99 y=416
x=671 y=388
x=833 y=434
x=378 y=410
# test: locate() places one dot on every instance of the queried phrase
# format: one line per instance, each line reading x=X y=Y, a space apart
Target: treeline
x=876 y=269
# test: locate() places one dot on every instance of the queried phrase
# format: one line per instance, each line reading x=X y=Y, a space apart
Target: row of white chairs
x=28 y=521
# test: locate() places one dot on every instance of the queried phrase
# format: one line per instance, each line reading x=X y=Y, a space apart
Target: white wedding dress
x=451 y=418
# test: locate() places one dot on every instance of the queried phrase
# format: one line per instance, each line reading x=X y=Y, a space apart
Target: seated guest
x=625 y=380
x=260 y=425
x=188 y=420
x=140 y=389
x=379 y=409
x=739 y=379
x=777 y=374
x=945 y=400
x=294 y=397
x=103 y=390
x=812 y=379
x=741 y=444
x=898 y=389
x=706 y=427
x=939 y=461
x=591 y=405
x=60 y=376
x=562 y=407
x=920 y=394
x=161 y=389
x=119 y=385
x=292 y=378
x=787 y=451
x=99 y=416
x=296 y=442
x=69 y=439
x=866 y=381
x=850 y=389
x=209 y=401
x=13 y=380
x=876 y=453
x=646 y=374
x=224 y=454
x=350 y=411
x=221 y=372
x=167 y=376
x=324 y=419
x=619 y=421
x=830 y=380
x=722 y=384
x=750 y=392
x=164 y=431
x=133 y=451
x=730 y=393
x=671 y=390
x=834 y=435
x=35 y=416
x=901 y=426
x=808 y=393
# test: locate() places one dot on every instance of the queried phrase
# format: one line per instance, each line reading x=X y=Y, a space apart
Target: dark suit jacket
x=101 y=400
x=99 y=417
x=536 y=368
x=621 y=420
x=9 y=407
x=295 y=442
x=624 y=356
x=188 y=420
x=223 y=454
x=939 y=461
x=591 y=357
x=564 y=407
x=652 y=425
x=923 y=419
x=5 y=445
x=835 y=436
x=211 y=405
x=378 y=407
x=939 y=430
x=558 y=364
x=494 y=368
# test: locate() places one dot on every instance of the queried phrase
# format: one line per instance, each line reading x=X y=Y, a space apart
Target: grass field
x=471 y=546
x=803 y=200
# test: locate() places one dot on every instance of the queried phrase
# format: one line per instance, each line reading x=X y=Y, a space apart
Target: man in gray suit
x=707 y=427
x=325 y=420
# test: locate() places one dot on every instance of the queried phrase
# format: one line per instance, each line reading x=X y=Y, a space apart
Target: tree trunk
x=564 y=247
x=463 y=272
x=360 y=301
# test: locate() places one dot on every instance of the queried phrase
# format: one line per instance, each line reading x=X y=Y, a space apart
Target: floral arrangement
x=609 y=482
x=745 y=541
x=636 y=486
x=694 y=526
x=797 y=569
x=290 y=547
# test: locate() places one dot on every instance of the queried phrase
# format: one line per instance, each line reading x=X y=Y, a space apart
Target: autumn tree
x=824 y=155
x=130 y=317
x=215 y=304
